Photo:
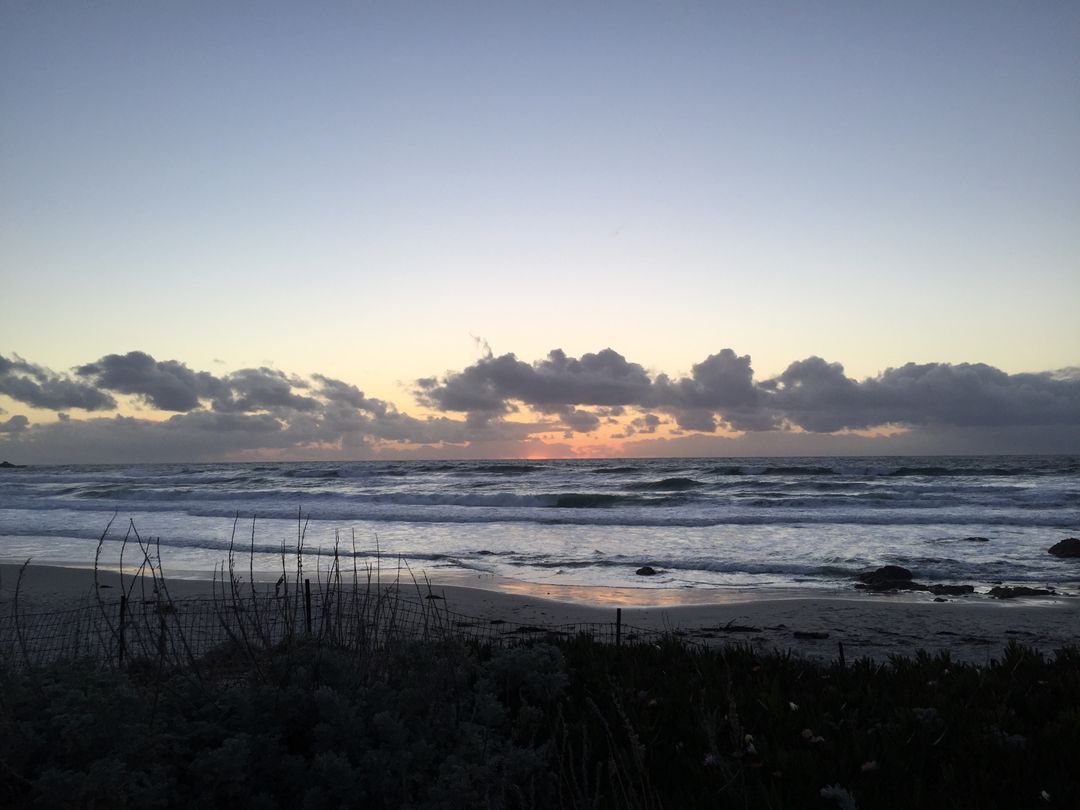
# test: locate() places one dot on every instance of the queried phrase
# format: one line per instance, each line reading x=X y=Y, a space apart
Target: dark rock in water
x=809 y=634
x=940 y=599
x=887 y=573
x=1019 y=590
x=889 y=578
x=646 y=571
x=1069 y=547
x=7 y=465
x=951 y=590
x=976 y=539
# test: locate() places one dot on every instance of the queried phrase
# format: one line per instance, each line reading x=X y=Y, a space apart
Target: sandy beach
x=973 y=628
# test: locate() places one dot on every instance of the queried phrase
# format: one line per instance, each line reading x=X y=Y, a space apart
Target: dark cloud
x=40 y=388
x=260 y=411
x=16 y=424
x=817 y=396
x=555 y=385
x=812 y=394
x=493 y=385
x=261 y=389
x=254 y=411
x=167 y=384
x=721 y=381
x=579 y=421
x=648 y=423
x=342 y=392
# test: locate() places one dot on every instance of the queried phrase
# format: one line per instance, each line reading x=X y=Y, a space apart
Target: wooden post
x=841 y=645
x=123 y=622
x=618 y=627
x=307 y=605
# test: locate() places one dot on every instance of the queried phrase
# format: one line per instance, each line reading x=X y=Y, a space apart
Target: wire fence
x=179 y=631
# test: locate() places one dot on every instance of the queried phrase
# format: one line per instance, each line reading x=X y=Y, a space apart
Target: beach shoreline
x=972 y=628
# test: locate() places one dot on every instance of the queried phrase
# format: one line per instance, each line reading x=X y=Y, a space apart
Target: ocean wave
x=505 y=469
x=963 y=472
x=727 y=470
x=796 y=470
x=583 y=500
x=666 y=485
x=317 y=473
x=581 y=509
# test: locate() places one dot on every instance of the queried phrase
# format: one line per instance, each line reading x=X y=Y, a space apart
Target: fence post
x=618 y=627
x=307 y=605
x=123 y=622
x=842 y=662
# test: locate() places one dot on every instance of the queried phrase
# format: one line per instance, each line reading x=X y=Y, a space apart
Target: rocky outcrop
x=1007 y=592
x=646 y=571
x=889 y=578
x=897 y=578
x=887 y=573
x=951 y=590
x=1069 y=547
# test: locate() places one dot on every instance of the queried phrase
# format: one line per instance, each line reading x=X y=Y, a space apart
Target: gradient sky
x=357 y=189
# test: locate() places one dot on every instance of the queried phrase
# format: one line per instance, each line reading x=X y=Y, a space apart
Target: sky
x=356 y=230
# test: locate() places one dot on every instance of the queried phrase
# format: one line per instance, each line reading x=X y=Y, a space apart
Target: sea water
x=701 y=523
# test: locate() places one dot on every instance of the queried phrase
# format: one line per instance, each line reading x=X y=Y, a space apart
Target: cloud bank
x=720 y=392
x=504 y=406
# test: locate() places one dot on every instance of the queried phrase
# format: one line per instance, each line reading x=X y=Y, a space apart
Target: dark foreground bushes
x=561 y=724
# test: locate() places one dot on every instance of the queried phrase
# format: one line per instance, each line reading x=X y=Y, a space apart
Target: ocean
x=764 y=523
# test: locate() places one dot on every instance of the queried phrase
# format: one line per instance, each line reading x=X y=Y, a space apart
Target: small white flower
x=793 y=706
x=1044 y=796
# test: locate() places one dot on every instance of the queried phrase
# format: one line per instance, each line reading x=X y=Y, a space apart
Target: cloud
x=578 y=420
x=811 y=407
x=262 y=389
x=494 y=385
x=250 y=411
x=347 y=394
x=817 y=396
x=811 y=394
x=167 y=384
x=40 y=388
x=16 y=424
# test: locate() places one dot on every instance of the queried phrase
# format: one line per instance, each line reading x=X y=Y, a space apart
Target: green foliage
x=572 y=723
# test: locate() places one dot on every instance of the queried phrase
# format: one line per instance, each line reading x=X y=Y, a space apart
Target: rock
x=1069 y=547
x=646 y=571
x=887 y=573
x=976 y=539
x=809 y=634
x=7 y=465
x=940 y=599
x=951 y=590
x=889 y=578
x=1020 y=590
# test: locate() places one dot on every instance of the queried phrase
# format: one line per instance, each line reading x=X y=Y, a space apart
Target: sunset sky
x=352 y=230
